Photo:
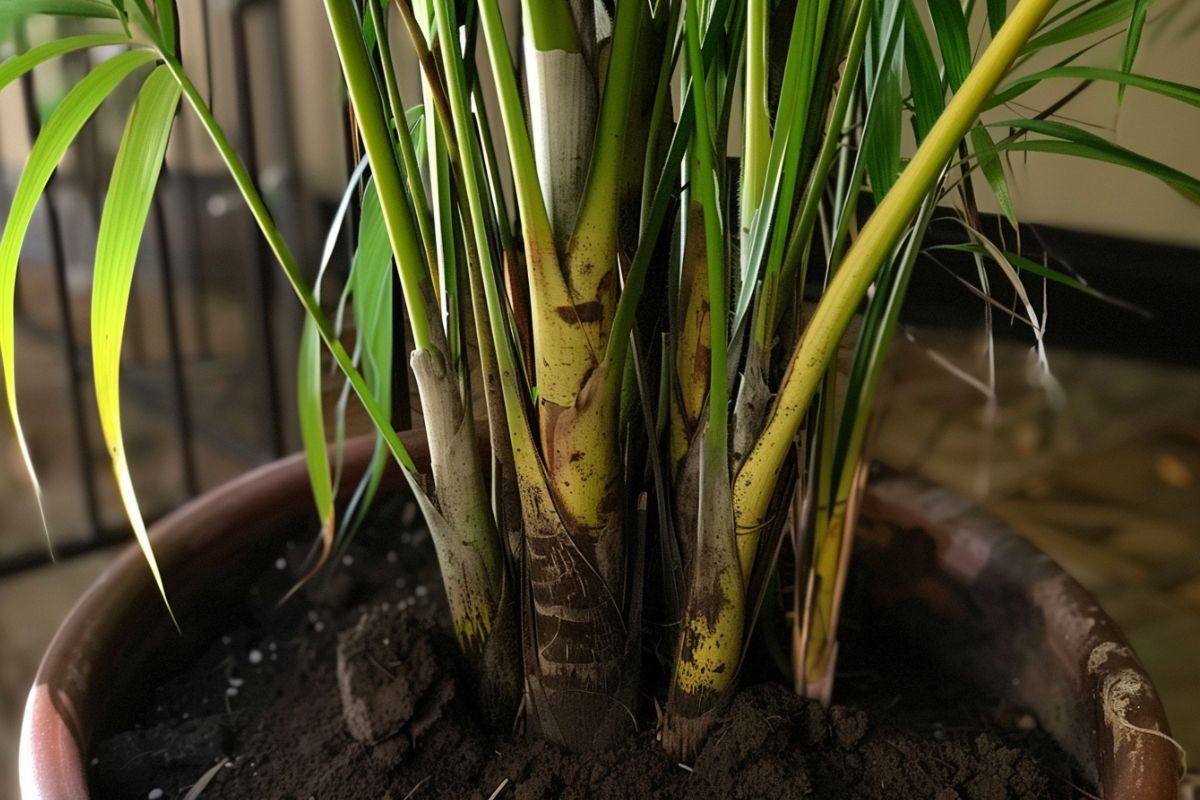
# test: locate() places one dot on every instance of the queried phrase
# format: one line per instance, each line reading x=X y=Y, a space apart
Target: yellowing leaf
x=59 y=131
x=130 y=192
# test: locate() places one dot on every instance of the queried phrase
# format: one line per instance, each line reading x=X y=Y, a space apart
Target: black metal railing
x=189 y=267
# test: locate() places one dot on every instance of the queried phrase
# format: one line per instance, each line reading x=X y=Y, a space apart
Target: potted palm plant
x=636 y=453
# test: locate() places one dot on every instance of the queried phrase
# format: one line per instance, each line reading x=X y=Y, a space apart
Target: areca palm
x=642 y=453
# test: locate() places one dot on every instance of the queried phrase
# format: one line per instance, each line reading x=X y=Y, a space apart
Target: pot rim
x=103 y=623
x=1086 y=683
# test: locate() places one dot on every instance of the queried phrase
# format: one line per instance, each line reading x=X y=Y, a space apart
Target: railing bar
x=183 y=414
x=22 y=562
x=263 y=264
x=62 y=294
x=206 y=30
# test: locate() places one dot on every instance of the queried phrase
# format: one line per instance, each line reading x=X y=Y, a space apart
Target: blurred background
x=1104 y=475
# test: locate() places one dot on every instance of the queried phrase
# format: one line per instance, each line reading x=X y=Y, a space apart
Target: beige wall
x=1092 y=196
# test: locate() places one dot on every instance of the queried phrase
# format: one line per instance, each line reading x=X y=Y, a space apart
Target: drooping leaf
x=1072 y=141
x=59 y=131
x=1175 y=91
x=993 y=170
x=371 y=288
x=1091 y=20
x=309 y=399
x=1041 y=270
x=17 y=9
x=310 y=410
x=16 y=66
x=1185 y=184
x=130 y=192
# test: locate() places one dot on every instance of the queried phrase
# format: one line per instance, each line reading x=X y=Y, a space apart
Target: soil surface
x=353 y=689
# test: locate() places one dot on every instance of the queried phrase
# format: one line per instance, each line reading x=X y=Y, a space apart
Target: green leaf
x=780 y=177
x=371 y=289
x=1132 y=39
x=18 y=65
x=130 y=192
x=997 y=12
x=1175 y=91
x=17 y=9
x=924 y=80
x=790 y=143
x=1071 y=141
x=881 y=130
x=993 y=170
x=370 y=32
x=167 y=23
x=310 y=409
x=1097 y=18
x=950 y=25
x=1185 y=184
x=309 y=389
x=60 y=130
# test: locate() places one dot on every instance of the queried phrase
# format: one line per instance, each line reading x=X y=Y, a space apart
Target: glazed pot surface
x=983 y=602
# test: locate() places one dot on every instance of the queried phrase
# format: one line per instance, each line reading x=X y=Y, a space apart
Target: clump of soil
x=353 y=689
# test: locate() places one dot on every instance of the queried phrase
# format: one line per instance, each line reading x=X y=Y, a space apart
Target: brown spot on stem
x=590 y=311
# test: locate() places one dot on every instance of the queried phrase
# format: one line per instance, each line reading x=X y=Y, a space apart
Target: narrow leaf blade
x=1175 y=91
x=18 y=9
x=310 y=410
x=1185 y=184
x=1085 y=23
x=371 y=290
x=1133 y=39
x=126 y=206
x=59 y=131
x=925 y=84
x=954 y=41
x=997 y=12
x=993 y=170
x=18 y=65
x=167 y=23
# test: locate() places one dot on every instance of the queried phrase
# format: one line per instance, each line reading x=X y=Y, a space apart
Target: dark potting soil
x=353 y=689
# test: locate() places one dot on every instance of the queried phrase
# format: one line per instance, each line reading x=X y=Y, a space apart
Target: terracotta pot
x=1034 y=637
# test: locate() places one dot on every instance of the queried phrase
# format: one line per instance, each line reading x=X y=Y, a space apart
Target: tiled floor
x=1107 y=482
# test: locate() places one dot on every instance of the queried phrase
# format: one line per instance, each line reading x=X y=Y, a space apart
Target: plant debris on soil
x=354 y=689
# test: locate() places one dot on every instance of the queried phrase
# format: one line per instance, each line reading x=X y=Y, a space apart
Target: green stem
x=287 y=261
x=525 y=179
x=397 y=214
x=408 y=153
